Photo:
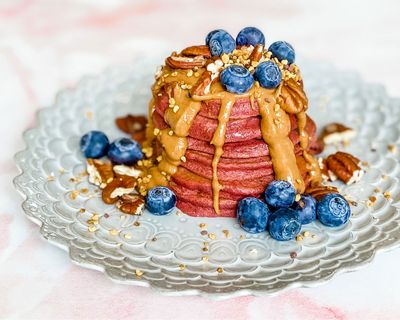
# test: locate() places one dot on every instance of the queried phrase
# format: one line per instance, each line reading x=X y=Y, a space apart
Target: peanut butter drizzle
x=275 y=129
x=313 y=166
x=218 y=140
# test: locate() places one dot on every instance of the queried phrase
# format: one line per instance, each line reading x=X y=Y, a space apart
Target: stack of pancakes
x=245 y=168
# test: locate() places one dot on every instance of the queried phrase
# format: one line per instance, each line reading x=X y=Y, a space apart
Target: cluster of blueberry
x=283 y=217
x=237 y=78
x=95 y=145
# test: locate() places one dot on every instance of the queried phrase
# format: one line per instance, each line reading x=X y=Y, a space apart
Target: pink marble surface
x=47 y=44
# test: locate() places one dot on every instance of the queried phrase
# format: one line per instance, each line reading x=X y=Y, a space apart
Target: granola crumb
x=226 y=233
x=212 y=236
x=138 y=273
x=114 y=232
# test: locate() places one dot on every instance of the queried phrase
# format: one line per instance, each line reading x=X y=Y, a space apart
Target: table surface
x=48 y=45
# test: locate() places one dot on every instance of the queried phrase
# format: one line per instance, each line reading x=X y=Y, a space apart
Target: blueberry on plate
x=211 y=33
x=280 y=194
x=284 y=224
x=250 y=36
x=236 y=79
x=160 y=200
x=283 y=51
x=94 y=144
x=125 y=151
x=252 y=215
x=306 y=207
x=268 y=75
x=333 y=210
x=221 y=42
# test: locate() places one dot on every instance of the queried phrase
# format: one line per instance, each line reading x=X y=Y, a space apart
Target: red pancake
x=241 y=188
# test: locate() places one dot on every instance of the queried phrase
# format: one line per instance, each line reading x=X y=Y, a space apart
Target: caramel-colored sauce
x=275 y=106
x=275 y=129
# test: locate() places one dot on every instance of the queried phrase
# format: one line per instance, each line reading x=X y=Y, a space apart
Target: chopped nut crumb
x=306 y=233
x=182 y=267
x=138 y=273
x=204 y=258
x=226 y=233
x=387 y=194
x=202 y=225
x=298 y=197
x=114 y=232
x=92 y=228
x=293 y=255
x=392 y=148
x=127 y=236
x=299 y=238
x=212 y=236
x=74 y=194
x=220 y=270
x=136 y=223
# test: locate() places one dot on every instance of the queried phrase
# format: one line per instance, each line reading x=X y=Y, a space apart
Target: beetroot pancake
x=213 y=145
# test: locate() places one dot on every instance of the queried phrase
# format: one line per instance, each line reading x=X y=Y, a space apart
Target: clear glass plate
x=171 y=253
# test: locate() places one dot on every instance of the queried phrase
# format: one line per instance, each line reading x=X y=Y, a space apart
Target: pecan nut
x=177 y=62
x=204 y=82
x=345 y=167
x=118 y=187
x=123 y=170
x=257 y=53
x=100 y=173
x=193 y=51
x=131 y=124
x=336 y=133
x=293 y=97
x=319 y=191
x=131 y=204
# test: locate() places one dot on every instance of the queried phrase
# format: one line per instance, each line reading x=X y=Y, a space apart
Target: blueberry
x=221 y=42
x=210 y=34
x=268 y=75
x=250 y=36
x=284 y=224
x=94 y=144
x=125 y=151
x=160 y=200
x=306 y=207
x=253 y=214
x=283 y=51
x=236 y=79
x=280 y=194
x=333 y=210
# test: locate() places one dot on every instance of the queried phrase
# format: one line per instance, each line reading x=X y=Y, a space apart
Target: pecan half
x=319 y=191
x=118 y=187
x=177 y=62
x=345 y=167
x=336 y=133
x=131 y=124
x=193 y=51
x=131 y=204
x=204 y=82
x=293 y=96
x=100 y=173
x=124 y=170
x=257 y=53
